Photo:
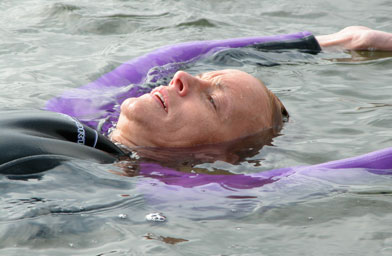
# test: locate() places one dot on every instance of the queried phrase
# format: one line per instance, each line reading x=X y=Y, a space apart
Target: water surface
x=339 y=105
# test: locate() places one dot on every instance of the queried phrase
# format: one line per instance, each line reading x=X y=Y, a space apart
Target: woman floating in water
x=210 y=108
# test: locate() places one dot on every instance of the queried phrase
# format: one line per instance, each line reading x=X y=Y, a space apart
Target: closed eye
x=212 y=101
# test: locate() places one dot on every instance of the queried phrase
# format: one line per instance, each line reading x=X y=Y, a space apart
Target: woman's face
x=208 y=108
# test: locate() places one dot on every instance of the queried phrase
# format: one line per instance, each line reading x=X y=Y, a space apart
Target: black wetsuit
x=307 y=44
x=35 y=141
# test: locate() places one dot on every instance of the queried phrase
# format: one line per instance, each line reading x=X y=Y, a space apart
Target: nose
x=184 y=83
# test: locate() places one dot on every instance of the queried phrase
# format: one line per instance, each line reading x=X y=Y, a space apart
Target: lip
x=163 y=93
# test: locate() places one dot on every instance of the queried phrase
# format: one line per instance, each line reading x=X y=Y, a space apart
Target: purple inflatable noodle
x=200 y=196
x=96 y=100
x=378 y=162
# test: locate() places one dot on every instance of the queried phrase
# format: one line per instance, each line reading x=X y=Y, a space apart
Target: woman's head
x=209 y=108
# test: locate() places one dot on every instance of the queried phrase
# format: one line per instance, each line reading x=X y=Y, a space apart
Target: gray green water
x=340 y=106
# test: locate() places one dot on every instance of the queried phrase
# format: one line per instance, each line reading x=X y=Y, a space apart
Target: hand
x=357 y=38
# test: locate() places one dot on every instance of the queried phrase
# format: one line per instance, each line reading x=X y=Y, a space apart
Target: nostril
x=180 y=82
x=180 y=87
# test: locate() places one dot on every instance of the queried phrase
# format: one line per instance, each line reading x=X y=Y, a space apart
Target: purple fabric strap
x=378 y=162
x=100 y=99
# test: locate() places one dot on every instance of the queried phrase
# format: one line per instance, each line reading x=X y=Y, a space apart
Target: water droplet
x=156 y=217
x=122 y=216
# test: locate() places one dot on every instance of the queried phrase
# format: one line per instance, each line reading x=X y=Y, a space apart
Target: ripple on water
x=79 y=19
x=84 y=209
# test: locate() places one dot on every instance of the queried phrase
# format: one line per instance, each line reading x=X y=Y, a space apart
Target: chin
x=127 y=107
x=134 y=108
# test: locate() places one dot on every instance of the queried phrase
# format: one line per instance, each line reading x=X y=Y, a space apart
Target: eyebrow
x=223 y=107
x=200 y=75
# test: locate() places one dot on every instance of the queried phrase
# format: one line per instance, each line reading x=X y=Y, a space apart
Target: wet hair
x=279 y=111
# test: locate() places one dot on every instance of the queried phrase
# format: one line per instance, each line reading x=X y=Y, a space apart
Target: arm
x=357 y=38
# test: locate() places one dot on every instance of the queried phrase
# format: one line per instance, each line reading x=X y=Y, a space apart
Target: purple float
x=378 y=162
x=100 y=100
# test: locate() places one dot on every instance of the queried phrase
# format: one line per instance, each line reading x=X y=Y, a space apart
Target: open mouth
x=159 y=96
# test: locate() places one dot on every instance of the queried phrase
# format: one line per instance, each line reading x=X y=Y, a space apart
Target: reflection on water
x=168 y=240
x=364 y=56
x=96 y=208
x=375 y=105
x=339 y=105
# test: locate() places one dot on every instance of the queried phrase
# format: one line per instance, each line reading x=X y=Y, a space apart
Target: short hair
x=279 y=112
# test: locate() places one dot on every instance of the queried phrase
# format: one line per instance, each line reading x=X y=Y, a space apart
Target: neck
x=118 y=136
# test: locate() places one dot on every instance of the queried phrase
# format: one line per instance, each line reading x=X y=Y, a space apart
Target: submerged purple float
x=378 y=162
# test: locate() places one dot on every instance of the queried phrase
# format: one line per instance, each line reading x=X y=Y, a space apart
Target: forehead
x=234 y=81
x=246 y=96
x=221 y=74
x=244 y=101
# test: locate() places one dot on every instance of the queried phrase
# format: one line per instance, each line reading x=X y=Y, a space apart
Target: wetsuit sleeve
x=36 y=141
x=307 y=44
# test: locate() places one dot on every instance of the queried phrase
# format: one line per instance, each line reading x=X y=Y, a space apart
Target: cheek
x=192 y=127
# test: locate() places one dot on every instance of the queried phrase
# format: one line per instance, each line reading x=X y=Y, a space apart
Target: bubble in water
x=122 y=216
x=156 y=217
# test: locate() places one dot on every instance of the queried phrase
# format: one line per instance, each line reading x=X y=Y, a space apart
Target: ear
x=279 y=112
x=283 y=110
